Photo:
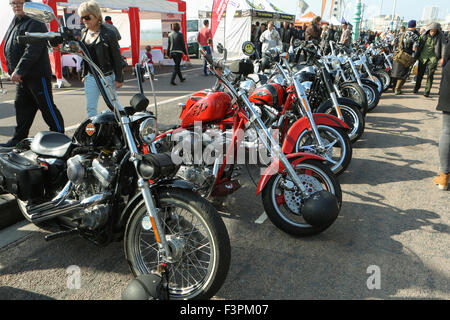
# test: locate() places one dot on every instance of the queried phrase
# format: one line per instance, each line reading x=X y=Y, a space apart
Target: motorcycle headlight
x=307 y=85
x=335 y=63
x=147 y=130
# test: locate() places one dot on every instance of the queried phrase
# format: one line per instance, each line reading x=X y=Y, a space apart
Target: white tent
x=334 y=21
x=233 y=32
x=143 y=5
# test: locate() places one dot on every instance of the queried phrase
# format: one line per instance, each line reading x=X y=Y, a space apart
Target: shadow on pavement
x=364 y=235
x=10 y=293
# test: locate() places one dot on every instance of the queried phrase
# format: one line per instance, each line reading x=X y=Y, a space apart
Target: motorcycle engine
x=201 y=176
x=91 y=177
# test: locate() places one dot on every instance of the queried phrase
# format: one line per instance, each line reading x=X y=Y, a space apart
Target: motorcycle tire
x=385 y=78
x=353 y=91
x=285 y=214
x=373 y=96
x=189 y=220
x=352 y=116
x=338 y=152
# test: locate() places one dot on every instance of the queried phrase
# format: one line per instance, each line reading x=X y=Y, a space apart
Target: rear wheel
x=283 y=206
x=197 y=238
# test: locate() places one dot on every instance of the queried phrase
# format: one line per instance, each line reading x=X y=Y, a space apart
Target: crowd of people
x=265 y=35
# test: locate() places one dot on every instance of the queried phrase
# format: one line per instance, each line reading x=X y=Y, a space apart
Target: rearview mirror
x=39 y=11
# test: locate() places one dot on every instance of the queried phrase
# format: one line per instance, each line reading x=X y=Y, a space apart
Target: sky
x=409 y=9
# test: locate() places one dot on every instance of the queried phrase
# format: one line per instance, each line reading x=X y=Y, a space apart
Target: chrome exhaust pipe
x=60 y=206
x=68 y=207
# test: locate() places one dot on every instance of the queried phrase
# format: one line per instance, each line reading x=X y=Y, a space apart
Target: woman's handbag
x=403 y=58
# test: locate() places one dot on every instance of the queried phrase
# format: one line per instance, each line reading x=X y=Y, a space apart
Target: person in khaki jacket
x=430 y=52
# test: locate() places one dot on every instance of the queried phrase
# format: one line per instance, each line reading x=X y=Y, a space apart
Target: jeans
x=205 y=64
x=444 y=144
x=93 y=93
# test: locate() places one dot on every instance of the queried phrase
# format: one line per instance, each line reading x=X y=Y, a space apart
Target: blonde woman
x=104 y=50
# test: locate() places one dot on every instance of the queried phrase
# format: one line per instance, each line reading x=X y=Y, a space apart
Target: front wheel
x=337 y=147
x=283 y=205
x=385 y=78
x=197 y=238
x=351 y=114
x=373 y=96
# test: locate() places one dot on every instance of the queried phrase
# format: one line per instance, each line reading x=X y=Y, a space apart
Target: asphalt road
x=394 y=222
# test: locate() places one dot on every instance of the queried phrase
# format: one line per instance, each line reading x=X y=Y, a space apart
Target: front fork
x=272 y=146
x=144 y=188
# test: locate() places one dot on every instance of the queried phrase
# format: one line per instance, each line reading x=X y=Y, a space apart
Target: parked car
x=192 y=32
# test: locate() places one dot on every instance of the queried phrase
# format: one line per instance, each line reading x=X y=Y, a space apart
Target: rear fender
x=303 y=124
x=277 y=167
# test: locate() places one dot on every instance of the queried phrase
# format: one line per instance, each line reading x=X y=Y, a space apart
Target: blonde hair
x=90 y=7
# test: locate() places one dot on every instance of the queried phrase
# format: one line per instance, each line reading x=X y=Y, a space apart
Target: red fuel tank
x=271 y=94
x=193 y=99
x=212 y=106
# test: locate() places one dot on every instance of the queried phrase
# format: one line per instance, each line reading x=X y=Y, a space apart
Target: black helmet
x=151 y=286
x=321 y=209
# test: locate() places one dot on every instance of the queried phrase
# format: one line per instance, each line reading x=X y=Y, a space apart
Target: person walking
x=204 y=35
x=270 y=38
x=104 y=50
x=313 y=31
x=408 y=42
x=444 y=141
x=430 y=52
x=175 y=50
x=29 y=68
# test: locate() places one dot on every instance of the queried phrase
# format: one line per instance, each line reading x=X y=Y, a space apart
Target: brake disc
x=294 y=198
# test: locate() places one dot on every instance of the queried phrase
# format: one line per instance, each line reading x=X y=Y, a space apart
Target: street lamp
x=356 y=21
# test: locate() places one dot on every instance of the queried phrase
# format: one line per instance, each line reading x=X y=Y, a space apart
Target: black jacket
x=27 y=60
x=176 y=43
x=444 y=91
x=285 y=35
x=439 y=44
x=107 y=50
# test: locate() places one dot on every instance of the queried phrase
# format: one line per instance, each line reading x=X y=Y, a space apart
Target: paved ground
x=394 y=222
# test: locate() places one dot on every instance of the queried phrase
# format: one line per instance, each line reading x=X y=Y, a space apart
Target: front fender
x=170 y=183
x=303 y=124
x=277 y=167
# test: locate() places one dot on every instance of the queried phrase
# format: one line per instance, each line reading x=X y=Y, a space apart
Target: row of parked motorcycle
x=123 y=176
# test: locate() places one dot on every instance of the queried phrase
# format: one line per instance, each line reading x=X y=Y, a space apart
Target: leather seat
x=52 y=144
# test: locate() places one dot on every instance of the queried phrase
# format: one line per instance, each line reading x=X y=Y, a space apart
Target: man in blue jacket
x=29 y=67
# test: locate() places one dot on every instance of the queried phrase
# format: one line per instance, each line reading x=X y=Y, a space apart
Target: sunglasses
x=87 y=18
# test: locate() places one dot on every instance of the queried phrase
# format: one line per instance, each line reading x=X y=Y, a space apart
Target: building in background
x=430 y=13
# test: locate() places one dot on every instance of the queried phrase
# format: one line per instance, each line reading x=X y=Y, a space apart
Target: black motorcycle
x=97 y=185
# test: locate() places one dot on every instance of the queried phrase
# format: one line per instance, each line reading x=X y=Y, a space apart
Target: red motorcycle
x=300 y=194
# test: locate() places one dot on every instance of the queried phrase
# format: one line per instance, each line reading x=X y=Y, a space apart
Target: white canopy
x=334 y=21
x=143 y=5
